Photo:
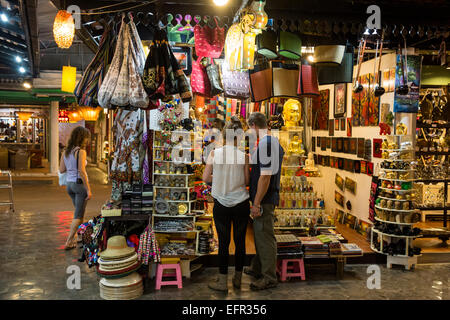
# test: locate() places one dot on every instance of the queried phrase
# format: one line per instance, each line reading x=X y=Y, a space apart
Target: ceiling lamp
x=63 y=29
x=220 y=3
x=90 y=114
x=22 y=70
x=24 y=116
x=74 y=116
x=69 y=77
x=4 y=17
x=27 y=85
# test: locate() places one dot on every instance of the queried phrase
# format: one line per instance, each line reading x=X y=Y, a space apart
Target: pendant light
x=90 y=114
x=63 y=29
x=74 y=116
x=69 y=77
x=24 y=116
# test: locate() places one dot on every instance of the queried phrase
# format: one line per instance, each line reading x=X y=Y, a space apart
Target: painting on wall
x=384 y=111
x=336 y=124
x=331 y=127
x=356 y=107
x=339 y=215
x=353 y=146
x=320 y=111
x=349 y=127
x=361 y=148
x=408 y=103
x=374 y=103
x=339 y=181
x=313 y=144
x=342 y=124
x=363 y=166
x=334 y=144
x=392 y=80
x=339 y=198
x=340 y=144
x=350 y=185
x=357 y=166
x=323 y=144
x=346 y=145
x=363 y=228
x=364 y=101
x=340 y=100
x=377 y=148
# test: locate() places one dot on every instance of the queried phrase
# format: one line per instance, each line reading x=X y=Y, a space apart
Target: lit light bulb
x=4 y=17
x=200 y=109
x=22 y=70
x=27 y=85
x=220 y=2
x=374 y=32
x=310 y=58
x=18 y=59
x=367 y=33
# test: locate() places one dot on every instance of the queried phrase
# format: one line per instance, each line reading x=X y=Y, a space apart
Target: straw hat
x=130 y=280
x=117 y=248
x=135 y=265
x=107 y=262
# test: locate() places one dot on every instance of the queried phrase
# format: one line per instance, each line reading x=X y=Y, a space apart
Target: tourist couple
x=231 y=201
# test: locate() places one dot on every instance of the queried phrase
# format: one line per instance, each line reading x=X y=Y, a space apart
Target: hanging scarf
x=148 y=247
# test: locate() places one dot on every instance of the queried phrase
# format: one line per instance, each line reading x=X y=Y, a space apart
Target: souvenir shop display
x=395 y=212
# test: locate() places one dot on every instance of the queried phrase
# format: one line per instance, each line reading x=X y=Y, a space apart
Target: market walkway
x=33 y=263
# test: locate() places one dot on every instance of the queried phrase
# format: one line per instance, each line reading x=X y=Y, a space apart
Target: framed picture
x=377 y=148
x=339 y=215
x=348 y=165
x=363 y=228
x=313 y=144
x=368 y=149
x=349 y=127
x=320 y=110
x=336 y=124
x=346 y=145
x=350 y=220
x=361 y=148
x=357 y=166
x=318 y=142
x=340 y=144
x=331 y=127
x=340 y=100
x=323 y=144
x=370 y=168
x=363 y=166
x=334 y=144
x=339 y=198
x=329 y=143
x=350 y=185
x=184 y=58
x=342 y=125
x=339 y=181
x=341 y=163
x=353 y=146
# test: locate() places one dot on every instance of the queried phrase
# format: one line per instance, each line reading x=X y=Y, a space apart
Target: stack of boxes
x=138 y=200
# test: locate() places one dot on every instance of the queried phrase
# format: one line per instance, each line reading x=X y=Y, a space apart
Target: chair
x=171 y=264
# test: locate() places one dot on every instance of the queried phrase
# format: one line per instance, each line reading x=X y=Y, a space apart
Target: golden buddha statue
x=295 y=146
x=291 y=113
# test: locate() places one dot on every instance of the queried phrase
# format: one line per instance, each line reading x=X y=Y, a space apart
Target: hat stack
x=117 y=267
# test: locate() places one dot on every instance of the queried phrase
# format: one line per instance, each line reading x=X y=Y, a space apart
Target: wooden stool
x=295 y=270
x=169 y=264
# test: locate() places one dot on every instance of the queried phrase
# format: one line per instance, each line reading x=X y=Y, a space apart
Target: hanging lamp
x=63 y=29
x=90 y=114
x=69 y=77
x=24 y=116
x=74 y=116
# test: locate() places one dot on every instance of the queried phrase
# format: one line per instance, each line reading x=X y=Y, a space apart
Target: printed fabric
x=148 y=247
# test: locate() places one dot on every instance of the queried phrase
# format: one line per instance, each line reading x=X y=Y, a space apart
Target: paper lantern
x=74 y=116
x=24 y=116
x=90 y=114
x=63 y=29
x=69 y=78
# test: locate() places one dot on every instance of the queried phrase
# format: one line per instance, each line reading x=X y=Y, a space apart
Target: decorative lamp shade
x=63 y=29
x=90 y=114
x=69 y=78
x=261 y=16
x=24 y=116
x=75 y=116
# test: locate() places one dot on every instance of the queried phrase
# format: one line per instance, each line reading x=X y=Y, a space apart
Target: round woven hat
x=116 y=248
x=117 y=262
x=127 y=281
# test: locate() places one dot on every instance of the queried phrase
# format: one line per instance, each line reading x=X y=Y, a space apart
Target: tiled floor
x=33 y=264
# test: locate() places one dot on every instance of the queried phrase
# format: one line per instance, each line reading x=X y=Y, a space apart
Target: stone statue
x=310 y=164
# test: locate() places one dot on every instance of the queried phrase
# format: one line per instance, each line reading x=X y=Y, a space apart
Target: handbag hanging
x=284 y=79
x=307 y=83
x=236 y=84
x=261 y=82
x=290 y=45
x=120 y=96
x=342 y=73
x=213 y=72
x=266 y=42
x=329 y=55
x=199 y=78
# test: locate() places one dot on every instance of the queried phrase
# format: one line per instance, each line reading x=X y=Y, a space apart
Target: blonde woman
x=228 y=169
x=73 y=162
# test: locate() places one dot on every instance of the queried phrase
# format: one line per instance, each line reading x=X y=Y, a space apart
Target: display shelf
x=164 y=187
x=433 y=208
x=399 y=170
x=410 y=190
x=386 y=209
x=399 y=150
x=432 y=153
x=163 y=231
x=396 y=236
x=130 y=217
x=404 y=160
x=393 y=199
x=298 y=208
x=291 y=228
x=410 y=180
x=174 y=174
x=395 y=255
x=398 y=223
x=433 y=125
x=157 y=215
x=179 y=201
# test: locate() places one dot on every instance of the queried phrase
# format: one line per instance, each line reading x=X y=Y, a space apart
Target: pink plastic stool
x=159 y=275
x=295 y=270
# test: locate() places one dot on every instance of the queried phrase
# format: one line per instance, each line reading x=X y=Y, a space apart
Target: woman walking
x=73 y=161
x=228 y=169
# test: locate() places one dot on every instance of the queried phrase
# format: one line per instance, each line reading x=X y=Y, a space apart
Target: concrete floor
x=33 y=263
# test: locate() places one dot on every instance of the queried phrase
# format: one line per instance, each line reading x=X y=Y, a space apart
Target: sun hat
x=117 y=267
x=108 y=262
x=127 y=281
x=117 y=248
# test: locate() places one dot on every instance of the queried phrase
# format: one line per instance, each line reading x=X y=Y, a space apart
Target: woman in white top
x=229 y=170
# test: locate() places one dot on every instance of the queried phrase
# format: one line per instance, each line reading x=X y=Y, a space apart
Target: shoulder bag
x=284 y=79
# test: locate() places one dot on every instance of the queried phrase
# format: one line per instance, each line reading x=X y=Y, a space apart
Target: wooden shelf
x=398 y=223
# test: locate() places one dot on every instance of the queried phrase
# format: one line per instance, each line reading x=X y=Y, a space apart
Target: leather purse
x=342 y=73
x=284 y=79
x=261 y=82
x=290 y=45
x=307 y=82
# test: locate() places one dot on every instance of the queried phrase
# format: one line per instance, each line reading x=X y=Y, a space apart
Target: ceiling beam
x=30 y=27
x=10 y=37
